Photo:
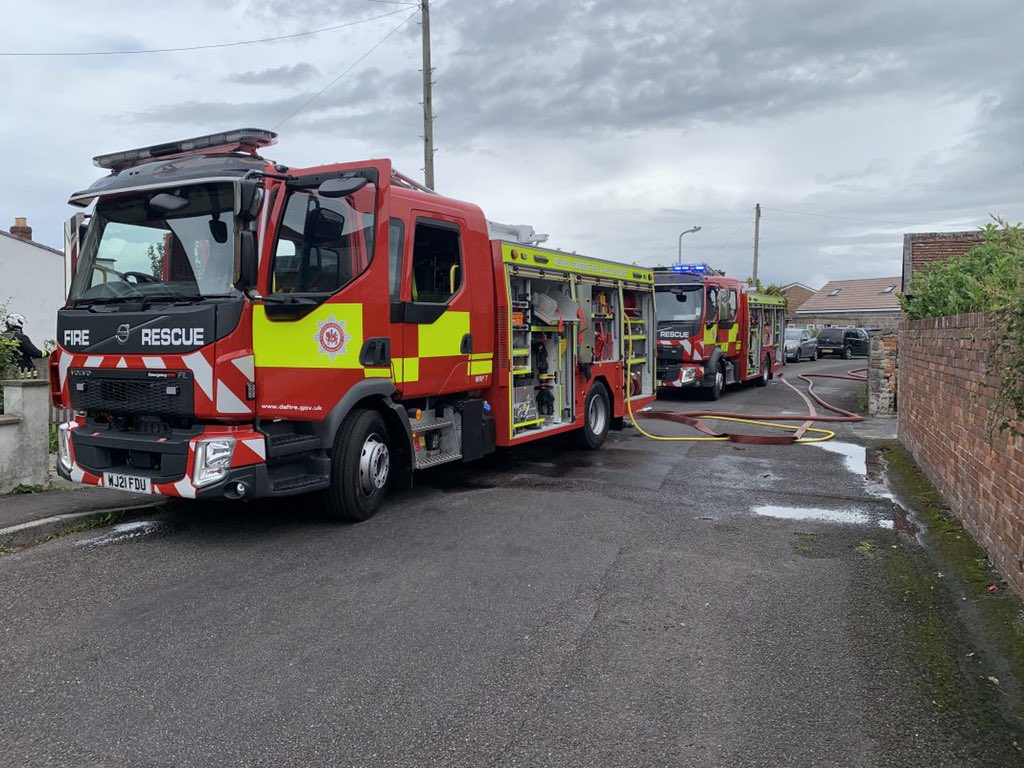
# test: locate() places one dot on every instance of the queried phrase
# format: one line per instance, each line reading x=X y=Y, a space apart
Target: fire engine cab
x=713 y=330
x=237 y=329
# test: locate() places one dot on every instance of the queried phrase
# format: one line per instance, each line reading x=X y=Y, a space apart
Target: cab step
x=290 y=444
x=294 y=484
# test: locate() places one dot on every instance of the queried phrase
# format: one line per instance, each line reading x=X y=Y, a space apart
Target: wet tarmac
x=650 y=604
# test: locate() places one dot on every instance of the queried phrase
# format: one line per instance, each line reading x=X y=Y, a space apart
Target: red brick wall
x=923 y=248
x=945 y=398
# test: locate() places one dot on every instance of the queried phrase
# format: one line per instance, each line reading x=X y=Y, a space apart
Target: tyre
x=814 y=355
x=766 y=370
x=847 y=353
x=360 y=468
x=715 y=390
x=597 y=418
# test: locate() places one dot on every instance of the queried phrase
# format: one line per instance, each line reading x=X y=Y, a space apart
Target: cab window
x=396 y=241
x=436 y=262
x=323 y=243
x=728 y=312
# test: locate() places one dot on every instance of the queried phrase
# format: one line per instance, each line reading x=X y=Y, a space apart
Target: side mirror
x=247 y=266
x=341 y=187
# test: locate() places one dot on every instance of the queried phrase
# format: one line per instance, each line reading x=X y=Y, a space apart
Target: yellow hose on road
x=826 y=434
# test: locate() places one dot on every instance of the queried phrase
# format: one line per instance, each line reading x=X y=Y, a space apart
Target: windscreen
x=136 y=248
x=679 y=303
x=793 y=334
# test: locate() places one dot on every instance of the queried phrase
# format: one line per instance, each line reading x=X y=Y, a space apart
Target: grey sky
x=613 y=125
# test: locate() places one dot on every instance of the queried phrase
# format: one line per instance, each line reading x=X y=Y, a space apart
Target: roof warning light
x=239 y=140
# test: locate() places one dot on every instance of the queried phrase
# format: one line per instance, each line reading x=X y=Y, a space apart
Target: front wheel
x=360 y=467
x=814 y=355
x=714 y=392
x=762 y=380
x=847 y=353
x=597 y=417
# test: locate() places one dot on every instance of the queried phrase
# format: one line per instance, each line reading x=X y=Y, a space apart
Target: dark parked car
x=845 y=342
x=799 y=345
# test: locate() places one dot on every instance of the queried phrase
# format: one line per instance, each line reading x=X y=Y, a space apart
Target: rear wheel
x=847 y=353
x=597 y=418
x=360 y=468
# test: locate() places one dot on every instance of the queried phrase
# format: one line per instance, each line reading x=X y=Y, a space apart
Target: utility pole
x=757 y=237
x=428 y=106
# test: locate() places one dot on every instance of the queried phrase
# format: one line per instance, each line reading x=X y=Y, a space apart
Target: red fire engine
x=239 y=329
x=713 y=330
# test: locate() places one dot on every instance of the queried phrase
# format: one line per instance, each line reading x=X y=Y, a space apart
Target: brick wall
x=946 y=396
x=882 y=370
x=923 y=248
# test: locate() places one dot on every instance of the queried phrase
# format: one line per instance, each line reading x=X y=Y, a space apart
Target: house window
x=834 y=292
x=889 y=289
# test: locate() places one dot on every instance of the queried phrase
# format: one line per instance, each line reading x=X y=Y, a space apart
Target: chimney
x=22 y=229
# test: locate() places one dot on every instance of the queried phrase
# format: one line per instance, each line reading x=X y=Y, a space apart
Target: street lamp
x=691 y=229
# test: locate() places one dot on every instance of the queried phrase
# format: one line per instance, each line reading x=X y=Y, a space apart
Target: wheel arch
x=373 y=395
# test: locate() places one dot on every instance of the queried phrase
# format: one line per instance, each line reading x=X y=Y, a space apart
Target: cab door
x=433 y=316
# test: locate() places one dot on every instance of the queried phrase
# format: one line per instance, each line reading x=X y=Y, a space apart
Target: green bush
x=988 y=278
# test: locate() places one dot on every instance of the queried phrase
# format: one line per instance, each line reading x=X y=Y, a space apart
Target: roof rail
x=404 y=181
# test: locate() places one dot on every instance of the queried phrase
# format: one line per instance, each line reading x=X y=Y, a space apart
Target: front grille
x=132 y=392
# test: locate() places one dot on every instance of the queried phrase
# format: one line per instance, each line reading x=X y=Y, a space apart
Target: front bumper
x=167 y=462
x=678 y=376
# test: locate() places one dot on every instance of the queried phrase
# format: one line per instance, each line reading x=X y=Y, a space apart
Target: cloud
x=285 y=75
x=613 y=125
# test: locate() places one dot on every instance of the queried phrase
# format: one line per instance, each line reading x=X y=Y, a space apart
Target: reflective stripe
x=377 y=373
x=407 y=369
x=443 y=337
x=481 y=366
x=328 y=337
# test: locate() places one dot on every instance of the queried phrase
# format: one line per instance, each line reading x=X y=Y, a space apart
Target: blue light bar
x=691 y=269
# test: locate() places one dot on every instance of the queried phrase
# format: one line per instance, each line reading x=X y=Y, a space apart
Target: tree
x=156 y=259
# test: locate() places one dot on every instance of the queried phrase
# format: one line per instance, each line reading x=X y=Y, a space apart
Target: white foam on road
x=855 y=455
x=847 y=516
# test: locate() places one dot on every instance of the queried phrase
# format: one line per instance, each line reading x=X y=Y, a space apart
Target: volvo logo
x=123 y=332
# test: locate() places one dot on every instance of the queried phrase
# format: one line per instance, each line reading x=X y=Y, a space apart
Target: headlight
x=689 y=374
x=213 y=459
x=64 y=444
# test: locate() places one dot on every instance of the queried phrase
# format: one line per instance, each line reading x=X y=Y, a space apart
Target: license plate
x=825 y=349
x=126 y=482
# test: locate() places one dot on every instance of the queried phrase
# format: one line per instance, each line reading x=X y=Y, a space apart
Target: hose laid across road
x=696 y=418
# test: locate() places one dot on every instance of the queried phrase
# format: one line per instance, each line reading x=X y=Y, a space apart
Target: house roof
x=32 y=242
x=868 y=295
x=787 y=286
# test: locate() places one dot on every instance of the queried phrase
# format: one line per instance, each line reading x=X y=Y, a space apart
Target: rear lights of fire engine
x=64 y=444
x=213 y=459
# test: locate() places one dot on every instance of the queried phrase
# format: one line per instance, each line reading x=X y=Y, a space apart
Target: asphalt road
x=638 y=606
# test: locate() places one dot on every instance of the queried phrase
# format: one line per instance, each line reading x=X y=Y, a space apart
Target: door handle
x=467 y=344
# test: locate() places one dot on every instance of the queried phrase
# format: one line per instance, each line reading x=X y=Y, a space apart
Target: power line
x=739 y=226
x=843 y=218
x=207 y=47
x=345 y=71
